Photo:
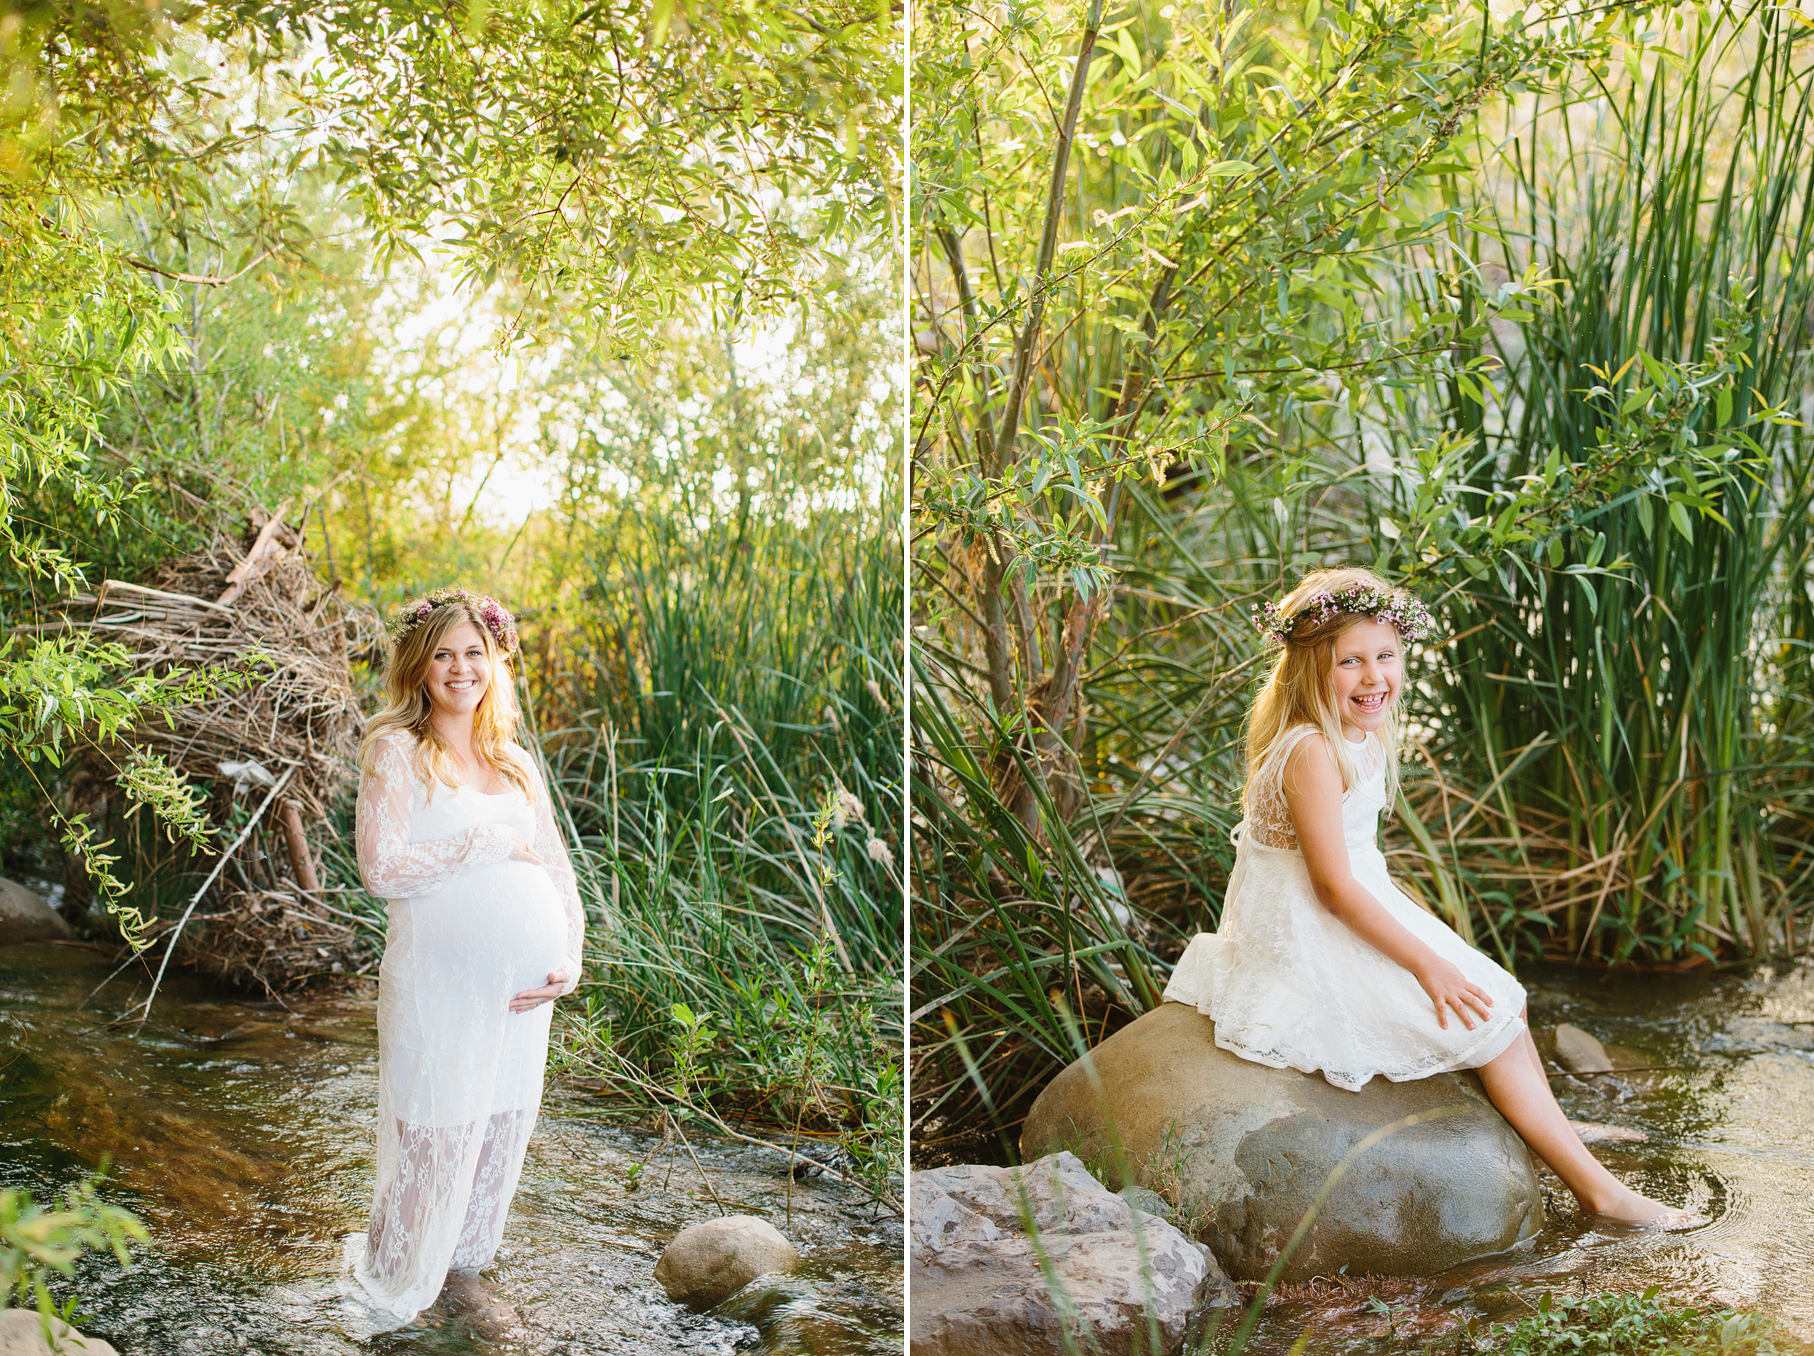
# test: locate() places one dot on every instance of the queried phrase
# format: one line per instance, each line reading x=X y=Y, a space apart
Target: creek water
x=1728 y=1119
x=241 y=1133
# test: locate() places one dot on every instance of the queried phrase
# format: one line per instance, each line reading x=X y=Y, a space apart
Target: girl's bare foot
x=1628 y=1207
x=1593 y=1132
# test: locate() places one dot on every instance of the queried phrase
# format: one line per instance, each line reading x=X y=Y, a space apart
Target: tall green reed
x=1633 y=697
x=721 y=725
x=728 y=688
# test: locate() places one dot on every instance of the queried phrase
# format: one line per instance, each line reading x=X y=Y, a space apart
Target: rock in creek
x=22 y=1334
x=1240 y=1150
x=26 y=917
x=708 y=1263
x=976 y=1281
x=1578 y=1052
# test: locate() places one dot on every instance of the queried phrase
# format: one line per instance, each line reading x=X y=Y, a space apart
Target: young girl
x=1321 y=963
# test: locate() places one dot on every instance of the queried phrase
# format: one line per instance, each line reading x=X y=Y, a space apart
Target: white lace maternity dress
x=459 y=1074
x=1290 y=985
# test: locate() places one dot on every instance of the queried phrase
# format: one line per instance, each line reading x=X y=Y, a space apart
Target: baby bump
x=499 y=927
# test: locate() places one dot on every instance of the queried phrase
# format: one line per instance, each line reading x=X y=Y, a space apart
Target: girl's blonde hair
x=407 y=706
x=1300 y=690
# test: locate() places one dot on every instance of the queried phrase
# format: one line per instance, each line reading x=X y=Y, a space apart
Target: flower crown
x=1408 y=616
x=494 y=614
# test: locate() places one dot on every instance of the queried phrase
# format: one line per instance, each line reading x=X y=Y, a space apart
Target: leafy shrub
x=1630 y=1325
x=36 y=1240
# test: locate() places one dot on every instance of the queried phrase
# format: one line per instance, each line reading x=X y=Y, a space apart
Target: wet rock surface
x=1241 y=1150
x=1578 y=1051
x=26 y=916
x=979 y=1287
x=241 y=1133
x=707 y=1263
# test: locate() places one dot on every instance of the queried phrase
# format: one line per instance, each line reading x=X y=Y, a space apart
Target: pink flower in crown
x=494 y=614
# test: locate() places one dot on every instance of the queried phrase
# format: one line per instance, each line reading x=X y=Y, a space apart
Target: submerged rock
x=26 y=917
x=1241 y=1150
x=978 y=1286
x=22 y=1334
x=708 y=1263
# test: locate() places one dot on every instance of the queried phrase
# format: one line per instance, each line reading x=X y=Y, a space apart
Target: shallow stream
x=241 y=1133
x=1729 y=1125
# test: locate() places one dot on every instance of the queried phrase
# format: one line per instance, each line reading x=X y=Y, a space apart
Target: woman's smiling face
x=459 y=672
x=1369 y=667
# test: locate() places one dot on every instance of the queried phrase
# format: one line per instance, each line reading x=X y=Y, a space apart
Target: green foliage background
x=1512 y=308
x=580 y=305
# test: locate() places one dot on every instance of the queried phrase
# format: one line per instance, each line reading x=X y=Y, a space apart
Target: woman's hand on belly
x=547 y=993
x=522 y=852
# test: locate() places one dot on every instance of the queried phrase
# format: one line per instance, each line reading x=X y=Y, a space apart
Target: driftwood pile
x=293 y=729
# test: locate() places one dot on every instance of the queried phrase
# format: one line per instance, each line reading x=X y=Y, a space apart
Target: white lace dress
x=459 y=1074
x=1290 y=985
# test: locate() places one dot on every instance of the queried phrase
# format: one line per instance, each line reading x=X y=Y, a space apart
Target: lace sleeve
x=391 y=866
x=552 y=849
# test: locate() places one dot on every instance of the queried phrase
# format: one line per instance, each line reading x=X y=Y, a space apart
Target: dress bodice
x=455 y=809
x=1268 y=823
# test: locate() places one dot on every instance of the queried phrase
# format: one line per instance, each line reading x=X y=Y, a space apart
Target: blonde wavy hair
x=407 y=706
x=1300 y=690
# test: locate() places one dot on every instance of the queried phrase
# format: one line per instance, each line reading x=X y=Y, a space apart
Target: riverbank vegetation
x=279 y=261
x=1613 y=1324
x=1512 y=309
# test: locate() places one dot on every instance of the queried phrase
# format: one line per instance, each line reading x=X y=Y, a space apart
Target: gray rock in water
x=708 y=1263
x=1241 y=1151
x=22 y=1334
x=25 y=917
x=1578 y=1052
x=979 y=1290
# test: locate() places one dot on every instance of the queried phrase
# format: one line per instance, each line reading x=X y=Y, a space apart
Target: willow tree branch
x=1048 y=239
x=225 y=857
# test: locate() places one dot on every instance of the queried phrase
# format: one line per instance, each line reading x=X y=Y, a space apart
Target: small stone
x=708 y=1263
x=1578 y=1052
x=27 y=917
x=22 y=1334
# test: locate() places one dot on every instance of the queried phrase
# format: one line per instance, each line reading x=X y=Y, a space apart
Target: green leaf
x=1678 y=516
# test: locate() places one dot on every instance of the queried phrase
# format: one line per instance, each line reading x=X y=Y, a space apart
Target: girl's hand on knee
x=1450 y=991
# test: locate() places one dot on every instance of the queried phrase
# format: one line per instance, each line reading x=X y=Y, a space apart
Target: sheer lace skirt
x=1289 y=985
x=443 y=1195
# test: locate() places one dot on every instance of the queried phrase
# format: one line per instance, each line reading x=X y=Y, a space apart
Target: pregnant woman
x=457 y=836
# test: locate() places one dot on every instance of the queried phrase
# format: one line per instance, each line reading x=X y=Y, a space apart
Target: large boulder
x=1241 y=1150
x=708 y=1263
x=979 y=1289
x=22 y=1334
x=25 y=917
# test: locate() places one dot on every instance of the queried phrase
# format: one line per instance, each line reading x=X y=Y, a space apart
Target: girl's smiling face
x=459 y=672
x=1369 y=668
